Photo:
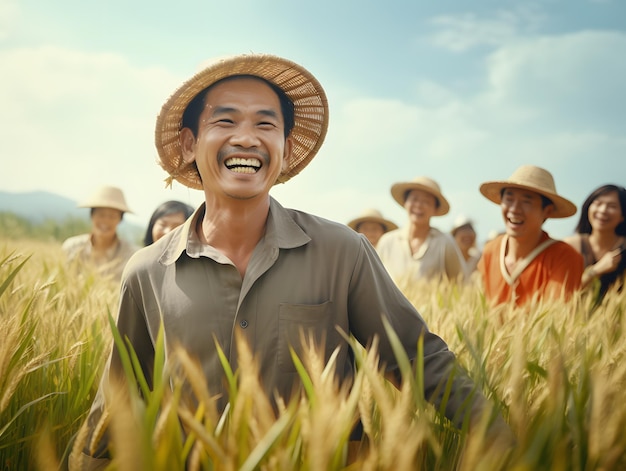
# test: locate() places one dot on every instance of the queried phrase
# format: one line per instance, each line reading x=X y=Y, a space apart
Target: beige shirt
x=305 y=273
x=438 y=256
x=78 y=251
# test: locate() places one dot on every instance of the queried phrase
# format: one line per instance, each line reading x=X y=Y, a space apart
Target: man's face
x=240 y=149
x=523 y=213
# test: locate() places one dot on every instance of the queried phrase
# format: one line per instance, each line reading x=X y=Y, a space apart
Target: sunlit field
x=555 y=372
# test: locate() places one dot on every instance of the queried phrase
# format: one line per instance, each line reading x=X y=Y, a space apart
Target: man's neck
x=234 y=228
x=520 y=247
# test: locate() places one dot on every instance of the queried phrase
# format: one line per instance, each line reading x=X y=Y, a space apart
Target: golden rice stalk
x=45 y=452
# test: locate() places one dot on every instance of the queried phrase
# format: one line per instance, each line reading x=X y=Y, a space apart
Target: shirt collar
x=282 y=232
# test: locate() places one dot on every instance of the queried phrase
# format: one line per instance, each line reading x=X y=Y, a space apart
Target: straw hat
x=373 y=215
x=537 y=179
x=307 y=95
x=107 y=197
x=398 y=190
x=460 y=221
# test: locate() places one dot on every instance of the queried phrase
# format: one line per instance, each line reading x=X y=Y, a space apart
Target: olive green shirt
x=305 y=273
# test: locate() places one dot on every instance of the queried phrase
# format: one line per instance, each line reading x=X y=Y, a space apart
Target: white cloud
x=459 y=33
x=76 y=120
x=577 y=78
x=9 y=12
x=544 y=104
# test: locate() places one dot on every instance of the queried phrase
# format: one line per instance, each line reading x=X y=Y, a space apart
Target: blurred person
x=524 y=262
x=599 y=238
x=418 y=250
x=102 y=248
x=372 y=225
x=464 y=235
x=247 y=268
x=166 y=216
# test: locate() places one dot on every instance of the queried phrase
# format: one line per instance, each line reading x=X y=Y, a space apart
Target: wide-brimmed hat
x=461 y=221
x=302 y=88
x=106 y=197
x=372 y=215
x=537 y=179
x=398 y=191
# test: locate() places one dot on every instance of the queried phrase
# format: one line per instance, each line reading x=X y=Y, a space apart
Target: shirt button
x=243 y=324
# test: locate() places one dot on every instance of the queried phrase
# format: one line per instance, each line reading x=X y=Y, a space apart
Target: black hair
x=584 y=226
x=406 y=195
x=191 y=115
x=92 y=209
x=169 y=207
x=545 y=201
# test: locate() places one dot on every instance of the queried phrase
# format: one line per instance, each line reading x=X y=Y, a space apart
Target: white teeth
x=243 y=170
x=247 y=163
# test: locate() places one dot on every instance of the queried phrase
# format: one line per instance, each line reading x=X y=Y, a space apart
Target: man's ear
x=548 y=211
x=287 y=154
x=187 y=145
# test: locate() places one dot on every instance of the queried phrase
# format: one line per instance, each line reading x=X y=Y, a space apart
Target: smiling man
x=525 y=262
x=243 y=267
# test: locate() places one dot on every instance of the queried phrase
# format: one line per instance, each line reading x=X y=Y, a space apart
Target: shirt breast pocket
x=312 y=323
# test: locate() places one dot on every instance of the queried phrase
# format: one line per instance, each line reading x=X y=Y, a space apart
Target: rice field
x=555 y=372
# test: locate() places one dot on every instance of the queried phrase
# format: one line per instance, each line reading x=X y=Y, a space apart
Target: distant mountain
x=37 y=206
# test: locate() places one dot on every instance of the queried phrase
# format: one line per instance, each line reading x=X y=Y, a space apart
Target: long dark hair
x=169 y=207
x=584 y=226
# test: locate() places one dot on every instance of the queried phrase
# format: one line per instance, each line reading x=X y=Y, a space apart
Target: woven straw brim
x=563 y=208
x=307 y=95
x=398 y=191
x=388 y=225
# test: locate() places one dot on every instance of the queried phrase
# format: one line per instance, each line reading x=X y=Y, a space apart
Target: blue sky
x=462 y=92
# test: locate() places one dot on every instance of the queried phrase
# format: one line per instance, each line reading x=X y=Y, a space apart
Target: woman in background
x=599 y=238
x=102 y=248
x=166 y=217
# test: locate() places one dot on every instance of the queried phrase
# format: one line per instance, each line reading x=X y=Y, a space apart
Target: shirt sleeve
x=373 y=296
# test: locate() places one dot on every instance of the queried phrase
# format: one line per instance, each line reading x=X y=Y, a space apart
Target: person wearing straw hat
x=464 y=235
x=419 y=251
x=102 y=248
x=525 y=263
x=372 y=225
x=244 y=268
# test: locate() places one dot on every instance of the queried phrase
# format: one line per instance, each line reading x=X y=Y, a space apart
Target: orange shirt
x=555 y=270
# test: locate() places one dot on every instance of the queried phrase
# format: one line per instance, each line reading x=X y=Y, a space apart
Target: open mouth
x=240 y=165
